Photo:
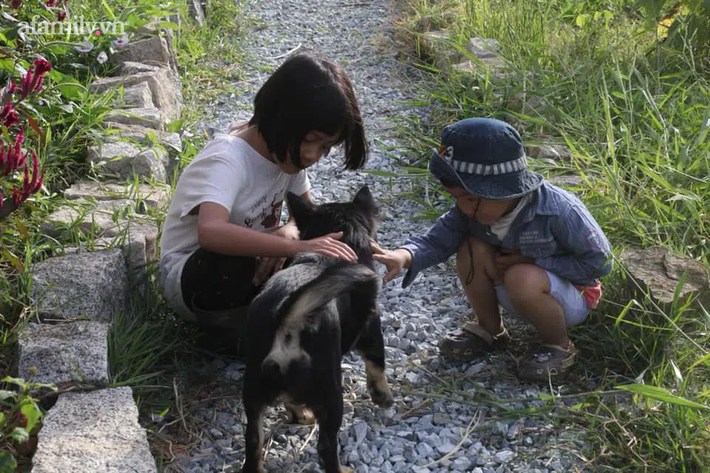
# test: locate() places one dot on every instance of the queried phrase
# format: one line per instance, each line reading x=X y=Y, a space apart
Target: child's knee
x=476 y=254
x=526 y=280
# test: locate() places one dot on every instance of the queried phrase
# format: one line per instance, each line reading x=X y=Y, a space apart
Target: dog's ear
x=364 y=199
x=299 y=208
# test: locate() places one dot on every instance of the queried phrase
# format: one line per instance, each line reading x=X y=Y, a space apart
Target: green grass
x=635 y=113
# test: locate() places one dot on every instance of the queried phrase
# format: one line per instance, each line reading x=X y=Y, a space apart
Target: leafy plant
x=20 y=416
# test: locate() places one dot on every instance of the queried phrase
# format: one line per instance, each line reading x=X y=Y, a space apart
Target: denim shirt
x=555 y=229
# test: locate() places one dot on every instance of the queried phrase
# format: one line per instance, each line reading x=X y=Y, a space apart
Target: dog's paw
x=377 y=385
x=300 y=415
x=253 y=467
x=380 y=392
x=345 y=469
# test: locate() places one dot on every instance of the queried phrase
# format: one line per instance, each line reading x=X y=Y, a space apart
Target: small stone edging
x=76 y=296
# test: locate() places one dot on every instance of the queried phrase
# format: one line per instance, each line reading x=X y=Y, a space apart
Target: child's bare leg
x=528 y=288
x=475 y=264
x=479 y=287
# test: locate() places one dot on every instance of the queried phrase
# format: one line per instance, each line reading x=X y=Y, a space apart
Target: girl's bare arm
x=217 y=234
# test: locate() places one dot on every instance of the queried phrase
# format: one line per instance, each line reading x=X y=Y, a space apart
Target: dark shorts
x=216 y=282
x=218 y=288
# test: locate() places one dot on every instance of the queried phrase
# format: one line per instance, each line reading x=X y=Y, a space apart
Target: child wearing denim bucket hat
x=520 y=243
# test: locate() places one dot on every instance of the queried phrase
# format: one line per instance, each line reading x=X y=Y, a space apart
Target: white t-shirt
x=229 y=172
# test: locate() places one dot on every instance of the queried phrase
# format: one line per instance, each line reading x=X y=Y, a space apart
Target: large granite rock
x=153 y=51
x=550 y=152
x=485 y=50
x=659 y=271
x=94 y=432
x=437 y=46
x=100 y=219
x=149 y=117
x=85 y=285
x=163 y=84
x=143 y=136
x=129 y=68
x=64 y=353
x=124 y=159
x=196 y=11
x=148 y=195
x=138 y=250
x=566 y=181
x=138 y=96
x=137 y=238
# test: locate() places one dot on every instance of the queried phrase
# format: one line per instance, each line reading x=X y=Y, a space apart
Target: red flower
x=33 y=82
x=12 y=159
x=16 y=4
x=61 y=16
x=29 y=185
x=26 y=84
x=50 y=3
x=42 y=66
x=8 y=115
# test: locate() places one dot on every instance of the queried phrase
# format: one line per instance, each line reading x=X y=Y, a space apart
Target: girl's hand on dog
x=328 y=245
x=270 y=265
x=393 y=260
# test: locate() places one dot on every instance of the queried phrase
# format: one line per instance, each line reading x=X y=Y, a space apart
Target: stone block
x=129 y=68
x=196 y=11
x=150 y=117
x=437 y=45
x=484 y=47
x=123 y=159
x=153 y=51
x=137 y=244
x=658 y=271
x=164 y=86
x=150 y=195
x=93 y=432
x=142 y=136
x=84 y=285
x=138 y=96
x=549 y=152
x=102 y=224
x=65 y=352
x=569 y=180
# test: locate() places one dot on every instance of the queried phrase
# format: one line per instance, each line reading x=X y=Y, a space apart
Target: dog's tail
x=333 y=282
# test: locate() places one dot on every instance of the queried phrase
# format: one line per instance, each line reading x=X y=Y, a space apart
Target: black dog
x=303 y=321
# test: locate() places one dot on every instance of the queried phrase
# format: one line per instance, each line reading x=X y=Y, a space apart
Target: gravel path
x=431 y=427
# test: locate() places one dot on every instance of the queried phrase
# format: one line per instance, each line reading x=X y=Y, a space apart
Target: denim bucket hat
x=486 y=157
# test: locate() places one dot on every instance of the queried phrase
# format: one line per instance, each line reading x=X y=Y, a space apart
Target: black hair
x=304 y=94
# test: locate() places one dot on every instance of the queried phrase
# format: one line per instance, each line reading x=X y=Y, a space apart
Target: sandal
x=470 y=342
x=550 y=362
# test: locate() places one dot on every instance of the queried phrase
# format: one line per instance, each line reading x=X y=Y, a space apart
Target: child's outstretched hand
x=393 y=260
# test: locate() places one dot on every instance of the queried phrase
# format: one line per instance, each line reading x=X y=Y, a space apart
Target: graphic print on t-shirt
x=268 y=215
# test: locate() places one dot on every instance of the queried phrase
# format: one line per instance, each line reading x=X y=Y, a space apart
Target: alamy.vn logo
x=74 y=27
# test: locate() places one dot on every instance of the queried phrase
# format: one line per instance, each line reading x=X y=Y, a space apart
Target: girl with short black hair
x=221 y=239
